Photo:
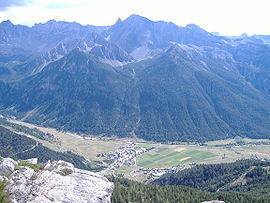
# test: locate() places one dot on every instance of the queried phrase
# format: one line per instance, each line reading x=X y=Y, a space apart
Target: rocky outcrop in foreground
x=55 y=181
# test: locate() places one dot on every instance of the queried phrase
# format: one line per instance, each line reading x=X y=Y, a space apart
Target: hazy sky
x=229 y=17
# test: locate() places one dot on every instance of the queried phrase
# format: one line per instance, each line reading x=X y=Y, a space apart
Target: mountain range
x=137 y=78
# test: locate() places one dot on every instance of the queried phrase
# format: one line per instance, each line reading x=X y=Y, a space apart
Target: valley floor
x=142 y=160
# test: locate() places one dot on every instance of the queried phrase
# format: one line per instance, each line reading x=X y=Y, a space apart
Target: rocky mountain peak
x=195 y=27
x=137 y=20
x=51 y=21
x=6 y=23
x=118 y=21
x=56 y=181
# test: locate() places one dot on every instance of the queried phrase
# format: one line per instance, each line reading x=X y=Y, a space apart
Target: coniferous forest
x=130 y=191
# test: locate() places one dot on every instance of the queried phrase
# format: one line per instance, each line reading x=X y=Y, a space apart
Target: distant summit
x=7 y=23
x=243 y=36
x=118 y=21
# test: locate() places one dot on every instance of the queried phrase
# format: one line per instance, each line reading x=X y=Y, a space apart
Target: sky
x=228 y=17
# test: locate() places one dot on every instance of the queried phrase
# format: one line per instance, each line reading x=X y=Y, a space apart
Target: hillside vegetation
x=246 y=176
x=20 y=147
x=130 y=191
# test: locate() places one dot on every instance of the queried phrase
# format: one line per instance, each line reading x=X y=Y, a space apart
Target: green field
x=125 y=170
x=172 y=156
x=235 y=140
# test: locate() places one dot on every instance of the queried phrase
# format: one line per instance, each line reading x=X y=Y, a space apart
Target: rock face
x=7 y=166
x=57 y=181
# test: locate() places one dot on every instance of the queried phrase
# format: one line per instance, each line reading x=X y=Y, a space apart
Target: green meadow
x=172 y=156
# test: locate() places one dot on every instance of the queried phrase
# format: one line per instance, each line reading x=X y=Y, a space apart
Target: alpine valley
x=180 y=112
x=139 y=78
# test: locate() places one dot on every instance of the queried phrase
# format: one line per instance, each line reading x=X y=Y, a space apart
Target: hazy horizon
x=107 y=25
x=228 y=17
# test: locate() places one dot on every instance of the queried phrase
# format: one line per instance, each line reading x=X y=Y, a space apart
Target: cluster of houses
x=7 y=117
x=124 y=155
x=127 y=154
x=256 y=157
x=157 y=172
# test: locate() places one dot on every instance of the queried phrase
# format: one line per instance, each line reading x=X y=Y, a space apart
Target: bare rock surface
x=7 y=166
x=57 y=181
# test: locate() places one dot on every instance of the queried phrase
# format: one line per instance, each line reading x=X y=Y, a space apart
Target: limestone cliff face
x=56 y=181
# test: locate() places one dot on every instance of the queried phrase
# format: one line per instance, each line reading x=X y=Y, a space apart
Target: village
x=127 y=154
x=157 y=172
x=124 y=155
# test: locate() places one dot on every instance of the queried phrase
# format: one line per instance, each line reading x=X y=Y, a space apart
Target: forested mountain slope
x=153 y=80
x=245 y=176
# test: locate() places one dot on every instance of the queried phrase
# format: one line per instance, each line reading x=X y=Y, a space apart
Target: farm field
x=168 y=156
x=171 y=155
x=235 y=140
